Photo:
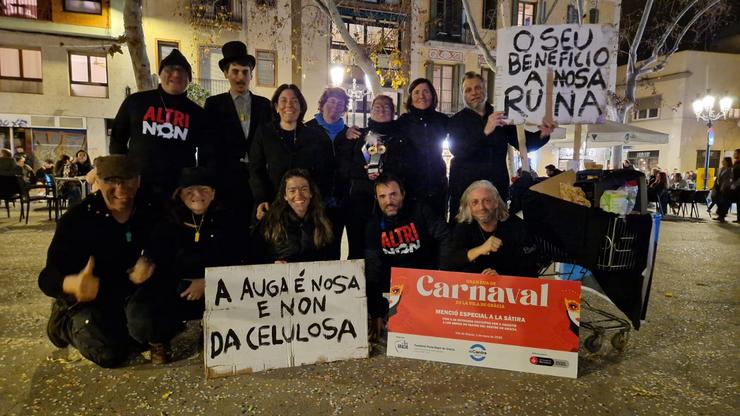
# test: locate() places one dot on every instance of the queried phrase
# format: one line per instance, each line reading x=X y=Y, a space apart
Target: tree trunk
x=490 y=60
x=329 y=7
x=134 y=33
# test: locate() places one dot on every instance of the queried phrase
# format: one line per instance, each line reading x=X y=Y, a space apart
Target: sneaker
x=161 y=353
x=54 y=326
x=720 y=219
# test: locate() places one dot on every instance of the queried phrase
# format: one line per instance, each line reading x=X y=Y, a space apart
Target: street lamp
x=337 y=75
x=704 y=110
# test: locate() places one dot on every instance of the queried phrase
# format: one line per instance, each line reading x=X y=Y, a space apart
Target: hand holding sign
x=496 y=119
x=83 y=285
x=142 y=271
x=262 y=210
x=491 y=245
x=196 y=289
x=546 y=128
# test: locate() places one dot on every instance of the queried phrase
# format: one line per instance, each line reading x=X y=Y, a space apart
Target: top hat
x=235 y=51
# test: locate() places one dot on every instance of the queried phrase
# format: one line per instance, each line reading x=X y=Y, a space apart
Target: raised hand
x=142 y=271
x=496 y=119
x=83 y=285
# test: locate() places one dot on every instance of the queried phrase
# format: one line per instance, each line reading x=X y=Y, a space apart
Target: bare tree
x=664 y=38
x=134 y=35
x=362 y=58
x=482 y=46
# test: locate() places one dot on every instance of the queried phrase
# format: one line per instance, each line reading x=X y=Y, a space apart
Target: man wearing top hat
x=161 y=128
x=106 y=303
x=235 y=116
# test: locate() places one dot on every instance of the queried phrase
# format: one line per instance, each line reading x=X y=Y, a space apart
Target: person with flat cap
x=160 y=128
x=105 y=302
x=198 y=232
x=235 y=116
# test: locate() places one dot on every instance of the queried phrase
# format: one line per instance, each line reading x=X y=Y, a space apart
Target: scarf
x=331 y=129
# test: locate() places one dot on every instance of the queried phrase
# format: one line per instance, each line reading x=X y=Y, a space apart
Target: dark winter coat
x=426 y=130
x=515 y=257
x=275 y=151
x=88 y=229
x=479 y=156
x=160 y=131
x=342 y=152
x=298 y=244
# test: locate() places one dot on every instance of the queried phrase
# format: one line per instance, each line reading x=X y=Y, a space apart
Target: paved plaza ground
x=683 y=361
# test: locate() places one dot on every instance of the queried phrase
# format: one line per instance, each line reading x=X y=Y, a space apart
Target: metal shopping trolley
x=611 y=255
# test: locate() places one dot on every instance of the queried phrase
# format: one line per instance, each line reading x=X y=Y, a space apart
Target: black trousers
x=726 y=201
x=105 y=333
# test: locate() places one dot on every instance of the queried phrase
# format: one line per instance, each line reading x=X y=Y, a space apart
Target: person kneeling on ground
x=486 y=239
x=197 y=233
x=405 y=234
x=296 y=227
x=105 y=304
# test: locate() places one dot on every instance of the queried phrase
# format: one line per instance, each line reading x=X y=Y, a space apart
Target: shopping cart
x=611 y=255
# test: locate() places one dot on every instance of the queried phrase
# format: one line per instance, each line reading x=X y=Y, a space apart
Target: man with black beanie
x=160 y=129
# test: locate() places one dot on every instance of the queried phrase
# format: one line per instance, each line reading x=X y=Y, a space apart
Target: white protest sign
x=283 y=315
x=582 y=59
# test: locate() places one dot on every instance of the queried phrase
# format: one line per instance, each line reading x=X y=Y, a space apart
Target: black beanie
x=176 y=58
x=196 y=176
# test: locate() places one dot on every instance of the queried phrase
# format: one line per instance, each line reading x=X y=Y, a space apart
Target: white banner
x=582 y=61
x=283 y=315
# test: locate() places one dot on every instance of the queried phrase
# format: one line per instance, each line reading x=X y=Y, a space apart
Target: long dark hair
x=280 y=211
x=416 y=83
x=298 y=94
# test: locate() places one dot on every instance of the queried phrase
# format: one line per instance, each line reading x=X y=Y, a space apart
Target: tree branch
x=547 y=17
x=579 y=8
x=361 y=58
x=136 y=45
x=490 y=60
x=661 y=42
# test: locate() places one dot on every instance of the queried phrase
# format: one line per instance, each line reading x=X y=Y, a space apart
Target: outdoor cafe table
x=79 y=179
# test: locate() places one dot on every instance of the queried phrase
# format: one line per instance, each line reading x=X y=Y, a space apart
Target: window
x=489 y=14
x=368 y=33
x=26 y=9
x=647 y=108
x=20 y=64
x=266 y=69
x=84 y=6
x=489 y=77
x=88 y=75
x=221 y=10
x=524 y=12
x=442 y=80
x=164 y=47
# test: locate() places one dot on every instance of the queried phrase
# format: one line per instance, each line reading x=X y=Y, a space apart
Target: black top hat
x=235 y=51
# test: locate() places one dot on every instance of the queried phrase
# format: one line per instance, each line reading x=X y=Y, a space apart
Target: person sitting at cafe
x=82 y=163
x=198 y=232
x=104 y=301
x=8 y=167
x=47 y=168
x=486 y=239
x=296 y=227
x=27 y=173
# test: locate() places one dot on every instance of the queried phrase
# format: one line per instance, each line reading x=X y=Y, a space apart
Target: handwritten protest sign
x=511 y=323
x=283 y=315
x=582 y=59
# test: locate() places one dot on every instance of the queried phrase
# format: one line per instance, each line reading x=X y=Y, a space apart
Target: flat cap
x=116 y=166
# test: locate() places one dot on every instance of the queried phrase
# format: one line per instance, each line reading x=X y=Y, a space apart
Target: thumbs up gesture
x=83 y=285
x=142 y=271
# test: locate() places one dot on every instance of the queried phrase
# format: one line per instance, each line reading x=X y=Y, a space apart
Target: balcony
x=26 y=9
x=213 y=86
x=445 y=30
x=217 y=10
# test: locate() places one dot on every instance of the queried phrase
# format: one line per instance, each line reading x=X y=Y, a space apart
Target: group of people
x=723 y=194
x=126 y=266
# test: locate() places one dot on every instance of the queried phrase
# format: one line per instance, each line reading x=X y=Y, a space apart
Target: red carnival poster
x=512 y=323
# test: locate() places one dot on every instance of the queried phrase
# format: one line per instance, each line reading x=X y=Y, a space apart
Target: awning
x=609 y=134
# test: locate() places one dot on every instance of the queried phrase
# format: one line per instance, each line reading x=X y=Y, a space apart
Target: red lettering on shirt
x=149 y=116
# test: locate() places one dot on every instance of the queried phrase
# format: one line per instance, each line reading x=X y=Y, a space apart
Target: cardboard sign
x=582 y=60
x=283 y=315
x=511 y=323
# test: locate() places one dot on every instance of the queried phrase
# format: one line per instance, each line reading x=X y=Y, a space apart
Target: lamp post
x=704 y=110
x=355 y=93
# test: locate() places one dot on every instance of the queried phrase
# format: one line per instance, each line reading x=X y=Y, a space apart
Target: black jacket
x=272 y=155
x=160 y=131
x=398 y=159
x=178 y=256
x=477 y=156
x=516 y=257
x=413 y=238
x=88 y=229
x=298 y=244
x=426 y=130
x=226 y=144
x=342 y=152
